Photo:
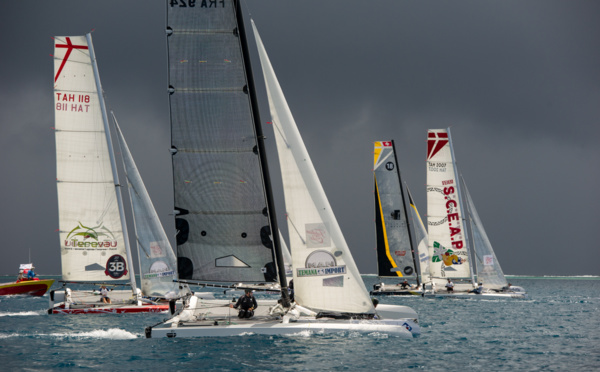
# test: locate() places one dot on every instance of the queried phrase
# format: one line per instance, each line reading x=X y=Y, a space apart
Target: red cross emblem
x=70 y=48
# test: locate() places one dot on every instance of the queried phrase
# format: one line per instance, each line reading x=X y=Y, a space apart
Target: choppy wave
x=561 y=277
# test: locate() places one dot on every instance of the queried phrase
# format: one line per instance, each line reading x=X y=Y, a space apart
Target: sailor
x=404 y=285
x=104 y=295
x=478 y=290
x=247 y=304
x=450 y=286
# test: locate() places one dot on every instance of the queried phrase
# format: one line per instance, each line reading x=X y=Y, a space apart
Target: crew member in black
x=246 y=304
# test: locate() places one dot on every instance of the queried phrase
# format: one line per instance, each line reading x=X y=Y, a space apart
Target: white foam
x=111 y=334
x=22 y=313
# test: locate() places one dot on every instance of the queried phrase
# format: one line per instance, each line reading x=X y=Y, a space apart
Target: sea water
x=556 y=329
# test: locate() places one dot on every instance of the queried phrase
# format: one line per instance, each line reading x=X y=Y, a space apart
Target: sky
x=518 y=83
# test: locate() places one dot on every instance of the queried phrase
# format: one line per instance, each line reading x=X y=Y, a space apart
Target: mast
x=112 y=162
x=260 y=138
x=472 y=254
x=461 y=204
x=408 y=225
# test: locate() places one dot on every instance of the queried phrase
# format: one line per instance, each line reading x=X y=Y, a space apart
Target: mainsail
x=225 y=216
x=325 y=275
x=158 y=263
x=394 y=244
x=93 y=234
x=489 y=271
x=447 y=236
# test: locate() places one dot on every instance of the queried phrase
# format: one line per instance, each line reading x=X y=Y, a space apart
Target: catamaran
x=93 y=232
x=452 y=249
x=224 y=196
x=401 y=237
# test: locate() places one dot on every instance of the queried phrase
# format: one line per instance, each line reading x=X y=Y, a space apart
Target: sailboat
x=222 y=156
x=455 y=254
x=396 y=240
x=93 y=232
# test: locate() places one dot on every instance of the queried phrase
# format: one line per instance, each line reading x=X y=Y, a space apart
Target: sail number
x=116 y=267
x=192 y=3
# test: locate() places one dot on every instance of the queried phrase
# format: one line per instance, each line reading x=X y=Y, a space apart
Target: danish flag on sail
x=435 y=142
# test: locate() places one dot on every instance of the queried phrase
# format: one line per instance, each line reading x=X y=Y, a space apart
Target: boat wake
x=23 y=313
x=111 y=334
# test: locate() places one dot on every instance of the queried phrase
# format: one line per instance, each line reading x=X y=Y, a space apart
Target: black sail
x=224 y=230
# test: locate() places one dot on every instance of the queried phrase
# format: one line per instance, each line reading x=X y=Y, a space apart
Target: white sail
x=325 y=275
x=422 y=241
x=447 y=235
x=92 y=240
x=158 y=264
x=489 y=271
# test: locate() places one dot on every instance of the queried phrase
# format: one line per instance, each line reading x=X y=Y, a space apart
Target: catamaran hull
x=474 y=296
x=110 y=309
x=395 y=328
x=28 y=287
x=396 y=292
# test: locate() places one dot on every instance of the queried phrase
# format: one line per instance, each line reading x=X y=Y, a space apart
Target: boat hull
x=216 y=329
x=475 y=296
x=116 y=309
x=396 y=291
x=27 y=287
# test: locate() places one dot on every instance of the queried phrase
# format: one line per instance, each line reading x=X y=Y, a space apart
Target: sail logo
x=320 y=263
x=435 y=142
x=69 y=46
x=317 y=235
x=389 y=166
x=447 y=256
x=116 y=267
x=94 y=234
x=452 y=213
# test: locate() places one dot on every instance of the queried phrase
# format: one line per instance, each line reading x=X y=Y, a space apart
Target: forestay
x=156 y=257
x=222 y=222
x=447 y=236
x=91 y=229
x=394 y=245
x=488 y=268
x=325 y=275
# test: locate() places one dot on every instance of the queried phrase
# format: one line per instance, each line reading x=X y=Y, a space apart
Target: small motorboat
x=27 y=283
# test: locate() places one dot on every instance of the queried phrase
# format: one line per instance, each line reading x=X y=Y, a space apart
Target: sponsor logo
x=90 y=237
x=320 y=263
x=408 y=270
x=317 y=235
x=447 y=256
x=400 y=253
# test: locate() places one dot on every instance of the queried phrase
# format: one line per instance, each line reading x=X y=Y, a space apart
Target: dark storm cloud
x=517 y=81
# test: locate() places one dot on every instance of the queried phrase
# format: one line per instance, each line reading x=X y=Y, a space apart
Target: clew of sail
x=91 y=228
x=421 y=239
x=223 y=222
x=447 y=235
x=394 y=245
x=158 y=263
x=325 y=275
x=488 y=268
